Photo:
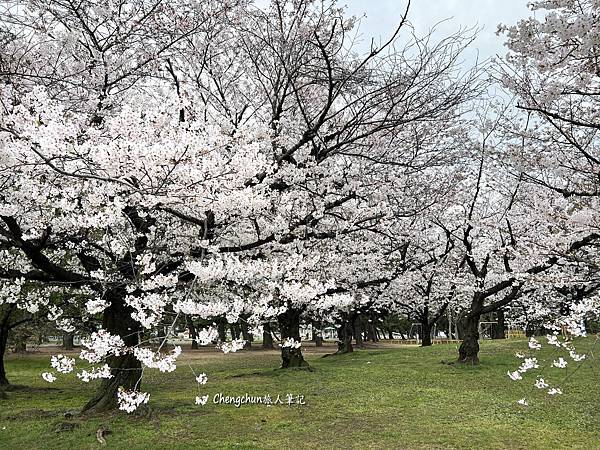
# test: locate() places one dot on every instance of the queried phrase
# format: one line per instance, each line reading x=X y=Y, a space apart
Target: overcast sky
x=382 y=16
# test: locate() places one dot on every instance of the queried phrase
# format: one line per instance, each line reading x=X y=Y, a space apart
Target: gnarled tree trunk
x=425 y=333
x=126 y=369
x=468 y=351
x=289 y=324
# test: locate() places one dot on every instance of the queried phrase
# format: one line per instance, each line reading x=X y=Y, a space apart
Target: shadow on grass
x=32 y=389
x=24 y=389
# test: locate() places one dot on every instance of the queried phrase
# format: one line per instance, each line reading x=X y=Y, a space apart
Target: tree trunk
x=192 y=331
x=358 y=331
x=425 y=333
x=267 y=337
x=373 y=327
x=345 y=336
x=499 y=329
x=459 y=329
x=425 y=327
x=68 y=341
x=318 y=333
x=222 y=330
x=371 y=331
x=468 y=351
x=126 y=369
x=289 y=324
x=235 y=330
x=3 y=343
x=246 y=335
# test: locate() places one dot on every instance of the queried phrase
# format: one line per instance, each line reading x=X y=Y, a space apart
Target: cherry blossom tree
x=552 y=69
x=10 y=319
x=333 y=119
x=204 y=159
x=500 y=244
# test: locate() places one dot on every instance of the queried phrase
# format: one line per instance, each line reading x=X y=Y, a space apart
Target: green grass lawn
x=400 y=397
